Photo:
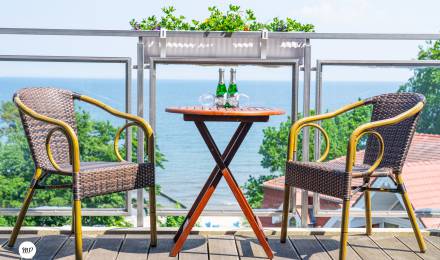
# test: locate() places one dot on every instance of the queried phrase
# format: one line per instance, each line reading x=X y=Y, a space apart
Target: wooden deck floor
x=135 y=246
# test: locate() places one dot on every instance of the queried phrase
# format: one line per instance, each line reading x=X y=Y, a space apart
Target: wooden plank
x=134 y=247
x=394 y=248
x=68 y=250
x=163 y=248
x=309 y=248
x=431 y=253
x=435 y=240
x=12 y=252
x=331 y=245
x=366 y=248
x=3 y=239
x=48 y=246
x=222 y=247
x=282 y=251
x=106 y=247
x=249 y=248
x=195 y=247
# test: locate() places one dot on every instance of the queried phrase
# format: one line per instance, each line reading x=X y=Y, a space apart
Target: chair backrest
x=54 y=103
x=398 y=137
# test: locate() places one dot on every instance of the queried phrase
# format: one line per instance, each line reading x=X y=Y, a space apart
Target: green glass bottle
x=232 y=90
x=221 y=92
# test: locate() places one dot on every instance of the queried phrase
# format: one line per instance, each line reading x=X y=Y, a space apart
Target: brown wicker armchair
x=392 y=126
x=48 y=119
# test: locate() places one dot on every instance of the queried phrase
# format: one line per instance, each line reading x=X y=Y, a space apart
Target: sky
x=369 y=16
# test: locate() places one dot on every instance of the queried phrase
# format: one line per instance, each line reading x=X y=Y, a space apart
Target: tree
x=16 y=169
x=426 y=81
x=275 y=141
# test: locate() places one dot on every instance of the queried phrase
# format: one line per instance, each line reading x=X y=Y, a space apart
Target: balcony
x=224 y=234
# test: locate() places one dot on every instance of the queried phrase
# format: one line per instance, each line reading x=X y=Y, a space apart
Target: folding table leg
x=208 y=189
x=250 y=216
x=245 y=207
x=215 y=176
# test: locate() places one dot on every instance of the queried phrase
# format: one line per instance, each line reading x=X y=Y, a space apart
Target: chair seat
x=327 y=178
x=99 y=178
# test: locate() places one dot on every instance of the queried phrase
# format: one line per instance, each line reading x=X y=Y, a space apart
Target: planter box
x=224 y=47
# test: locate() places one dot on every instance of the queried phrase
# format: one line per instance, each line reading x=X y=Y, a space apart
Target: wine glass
x=207 y=100
x=243 y=100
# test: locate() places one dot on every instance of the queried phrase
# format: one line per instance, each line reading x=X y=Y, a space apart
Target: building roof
x=421 y=174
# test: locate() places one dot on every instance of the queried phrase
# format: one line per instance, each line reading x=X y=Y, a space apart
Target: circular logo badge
x=27 y=250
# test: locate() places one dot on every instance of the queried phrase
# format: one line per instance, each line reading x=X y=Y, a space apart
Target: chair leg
x=153 y=221
x=285 y=218
x=344 y=229
x=411 y=214
x=72 y=229
x=24 y=208
x=368 y=222
x=78 y=229
x=367 y=198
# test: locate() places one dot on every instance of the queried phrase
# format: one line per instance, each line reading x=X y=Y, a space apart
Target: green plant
x=233 y=19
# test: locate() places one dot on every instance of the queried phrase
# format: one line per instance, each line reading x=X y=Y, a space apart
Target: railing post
x=306 y=112
x=128 y=144
x=140 y=134
x=294 y=117
x=317 y=140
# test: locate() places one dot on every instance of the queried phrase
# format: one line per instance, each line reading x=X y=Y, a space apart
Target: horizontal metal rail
x=65 y=211
x=226 y=61
x=199 y=34
x=426 y=213
x=85 y=59
x=378 y=63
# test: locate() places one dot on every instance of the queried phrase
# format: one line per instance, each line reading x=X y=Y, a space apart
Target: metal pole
x=152 y=97
x=294 y=117
x=140 y=134
x=305 y=140
x=318 y=108
x=128 y=139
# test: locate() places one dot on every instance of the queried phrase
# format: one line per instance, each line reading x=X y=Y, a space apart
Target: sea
x=188 y=160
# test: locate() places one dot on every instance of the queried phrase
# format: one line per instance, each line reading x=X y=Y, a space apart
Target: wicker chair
x=48 y=119
x=392 y=126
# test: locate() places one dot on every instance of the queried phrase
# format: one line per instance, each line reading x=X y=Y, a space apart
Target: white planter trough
x=223 y=47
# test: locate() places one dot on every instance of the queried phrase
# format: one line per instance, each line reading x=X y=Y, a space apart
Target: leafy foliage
x=426 y=81
x=234 y=19
x=16 y=169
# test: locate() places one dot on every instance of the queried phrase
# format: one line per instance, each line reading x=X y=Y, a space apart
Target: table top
x=221 y=112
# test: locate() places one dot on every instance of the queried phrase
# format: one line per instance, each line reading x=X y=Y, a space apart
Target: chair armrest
x=369 y=128
x=306 y=121
x=63 y=126
x=135 y=120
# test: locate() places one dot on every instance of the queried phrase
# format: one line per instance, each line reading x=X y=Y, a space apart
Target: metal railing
x=67 y=211
x=306 y=69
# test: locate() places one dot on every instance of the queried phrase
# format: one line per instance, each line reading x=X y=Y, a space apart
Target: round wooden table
x=246 y=116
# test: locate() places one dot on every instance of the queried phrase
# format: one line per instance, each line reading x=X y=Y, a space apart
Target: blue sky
x=327 y=15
